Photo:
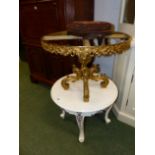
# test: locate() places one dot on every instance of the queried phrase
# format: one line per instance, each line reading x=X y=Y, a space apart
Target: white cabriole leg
x=107 y=119
x=80 y=122
x=62 y=115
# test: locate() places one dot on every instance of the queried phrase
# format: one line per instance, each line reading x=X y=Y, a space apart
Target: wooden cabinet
x=40 y=17
x=36 y=59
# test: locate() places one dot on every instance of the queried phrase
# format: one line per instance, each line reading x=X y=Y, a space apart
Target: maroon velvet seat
x=90 y=29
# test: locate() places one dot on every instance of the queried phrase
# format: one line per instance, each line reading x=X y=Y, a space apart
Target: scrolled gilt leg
x=86 y=90
x=80 y=122
x=86 y=74
x=107 y=119
x=105 y=81
x=65 y=84
x=62 y=115
x=103 y=77
x=66 y=80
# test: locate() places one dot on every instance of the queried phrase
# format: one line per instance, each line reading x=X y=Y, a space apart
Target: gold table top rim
x=106 y=50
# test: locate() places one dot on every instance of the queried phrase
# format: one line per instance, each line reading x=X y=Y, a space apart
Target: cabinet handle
x=35 y=8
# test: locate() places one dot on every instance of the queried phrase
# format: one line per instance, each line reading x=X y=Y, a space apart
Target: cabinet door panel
x=38 y=19
x=54 y=66
x=36 y=61
x=48 y=16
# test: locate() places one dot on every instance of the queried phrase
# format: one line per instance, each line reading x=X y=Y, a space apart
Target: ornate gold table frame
x=85 y=54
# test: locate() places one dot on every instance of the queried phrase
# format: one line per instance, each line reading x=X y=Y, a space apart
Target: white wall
x=107 y=10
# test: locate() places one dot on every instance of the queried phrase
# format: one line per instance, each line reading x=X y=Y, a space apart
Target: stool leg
x=62 y=115
x=107 y=119
x=80 y=122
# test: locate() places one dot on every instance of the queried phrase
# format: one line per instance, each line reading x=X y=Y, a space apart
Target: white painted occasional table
x=71 y=100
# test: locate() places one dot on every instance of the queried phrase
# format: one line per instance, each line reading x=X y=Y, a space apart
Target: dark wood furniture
x=40 y=17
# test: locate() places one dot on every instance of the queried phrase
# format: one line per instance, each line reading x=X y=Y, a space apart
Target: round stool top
x=90 y=29
x=72 y=99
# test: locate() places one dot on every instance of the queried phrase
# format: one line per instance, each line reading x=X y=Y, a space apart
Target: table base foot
x=62 y=115
x=107 y=119
x=81 y=139
x=80 y=122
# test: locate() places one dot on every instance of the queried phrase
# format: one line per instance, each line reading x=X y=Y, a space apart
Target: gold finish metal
x=85 y=54
x=92 y=51
x=85 y=74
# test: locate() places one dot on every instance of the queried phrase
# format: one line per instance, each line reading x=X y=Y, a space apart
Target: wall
x=107 y=10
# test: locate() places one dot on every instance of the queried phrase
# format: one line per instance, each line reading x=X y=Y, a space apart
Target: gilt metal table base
x=85 y=74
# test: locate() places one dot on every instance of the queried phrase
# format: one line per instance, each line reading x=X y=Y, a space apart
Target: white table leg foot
x=80 y=122
x=62 y=115
x=107 y=119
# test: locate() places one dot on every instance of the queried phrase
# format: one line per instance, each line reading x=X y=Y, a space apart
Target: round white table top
x=72 y=99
